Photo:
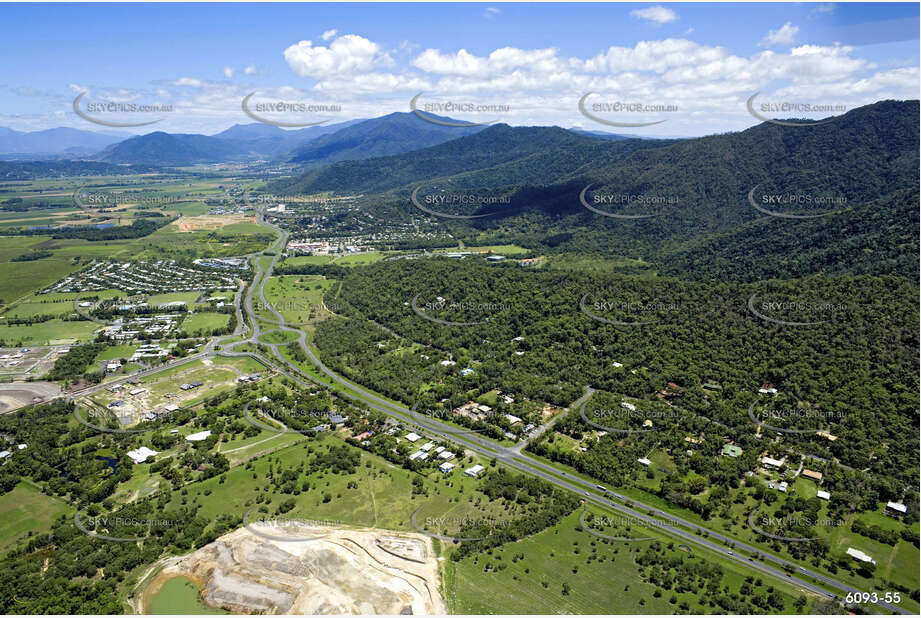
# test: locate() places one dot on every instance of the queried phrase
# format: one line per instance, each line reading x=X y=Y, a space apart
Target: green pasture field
x=204 y=322
x=171 y=297
x=360 y=259
x=485 y=249
x=300 y=260
x=116 y=351
x=602 y=575
x=43 y=333
x=33 y=309
x=26 y=510
x=297 y=297
x=278 y=336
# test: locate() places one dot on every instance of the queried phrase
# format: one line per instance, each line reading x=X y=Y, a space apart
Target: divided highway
x=511 y=457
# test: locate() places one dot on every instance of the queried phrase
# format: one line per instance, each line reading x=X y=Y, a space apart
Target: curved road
x=511 y=457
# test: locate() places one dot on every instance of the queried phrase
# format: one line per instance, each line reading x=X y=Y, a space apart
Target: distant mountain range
x=309 y=148
x=59 y=141
x=239 y=142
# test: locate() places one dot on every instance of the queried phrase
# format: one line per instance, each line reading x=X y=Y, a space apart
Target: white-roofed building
x=824 y=495
x=198 y=437
x=140 y=455
x=896 y=509
x=644 y=461
x=427 y=446
x=413 y=437
x=859 y=555
x=446 y=467
x=771 y=462
x=446 y=455
x=474 y=471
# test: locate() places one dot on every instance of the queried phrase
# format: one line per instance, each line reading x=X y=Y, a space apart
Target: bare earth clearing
x=211 y=222
x=15 y=395
x=334 y=571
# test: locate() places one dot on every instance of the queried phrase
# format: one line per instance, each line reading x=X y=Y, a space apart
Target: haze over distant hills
x=310 y=147
x=59 y=141
x=241 y=141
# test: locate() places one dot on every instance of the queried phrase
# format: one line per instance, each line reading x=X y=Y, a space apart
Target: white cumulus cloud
x=657 y=14
x=785 y=35
x=349 y=53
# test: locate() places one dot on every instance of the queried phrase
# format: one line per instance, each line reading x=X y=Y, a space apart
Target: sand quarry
x=334 y=571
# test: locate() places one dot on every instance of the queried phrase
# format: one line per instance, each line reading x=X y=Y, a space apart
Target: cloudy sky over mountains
x=695 y=64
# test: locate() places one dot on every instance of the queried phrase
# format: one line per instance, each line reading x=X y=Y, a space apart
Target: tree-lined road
x=512 y=457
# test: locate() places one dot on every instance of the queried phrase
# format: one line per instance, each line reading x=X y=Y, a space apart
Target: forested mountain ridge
x=160 y=148
x=878 y=237
x=378 y=137
x=702 y=222
x=882 y=136
x=497 y=155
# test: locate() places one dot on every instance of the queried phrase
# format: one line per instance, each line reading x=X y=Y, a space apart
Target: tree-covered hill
x=852 y=183
x=377 y=137
x=496 y=156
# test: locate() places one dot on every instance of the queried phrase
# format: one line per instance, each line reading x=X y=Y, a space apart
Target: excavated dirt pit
x=334 y=571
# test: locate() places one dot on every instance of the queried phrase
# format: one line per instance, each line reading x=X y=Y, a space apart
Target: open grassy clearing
x=48 y=332
x=298 y=298
x=360 y=259
x=172 y=297
x=26 y=510
x=838 y=537
x=203 y=322
x=602 y=576
x=31 y=310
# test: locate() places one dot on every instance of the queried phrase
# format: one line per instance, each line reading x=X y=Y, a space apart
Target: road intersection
x=512 y=457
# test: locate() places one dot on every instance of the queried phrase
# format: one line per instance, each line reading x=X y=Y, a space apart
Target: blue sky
x=537 y=60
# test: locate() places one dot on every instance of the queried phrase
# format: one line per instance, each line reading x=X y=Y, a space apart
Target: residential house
x=474 y=471
x=812 y=474
x=895 y=509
